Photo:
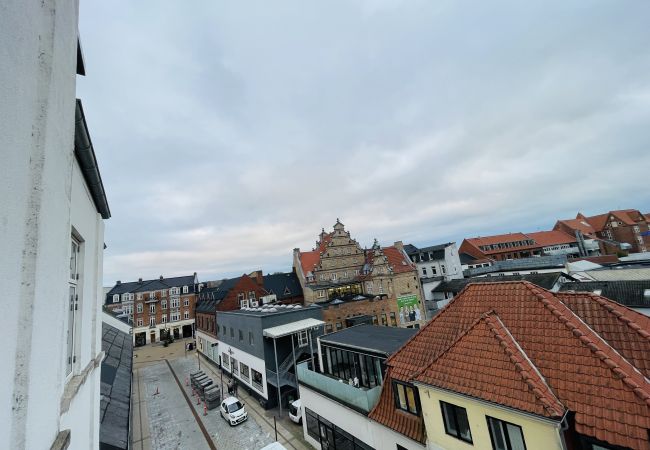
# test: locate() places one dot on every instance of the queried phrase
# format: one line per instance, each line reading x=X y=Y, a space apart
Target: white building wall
x=205 y=345
x=253 y=362
x=41 y=201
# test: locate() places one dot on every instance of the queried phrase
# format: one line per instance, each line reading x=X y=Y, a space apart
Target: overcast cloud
x=229 y=133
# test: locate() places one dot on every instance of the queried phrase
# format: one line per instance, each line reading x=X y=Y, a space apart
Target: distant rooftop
x=374 y=338
x=268 y=310
x=537 y=262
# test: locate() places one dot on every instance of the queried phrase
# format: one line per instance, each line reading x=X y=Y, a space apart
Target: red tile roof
x=486 y=362
x=309 y=260
x=497 y=239
x=583 y=370
x=554 y=237
x=580 y=225
x=398 y=260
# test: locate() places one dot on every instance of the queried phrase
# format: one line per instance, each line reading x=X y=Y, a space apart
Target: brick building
x=338 y=268
x=156 y=307
x=225 y=295
x=625 y=229
x=352 y=310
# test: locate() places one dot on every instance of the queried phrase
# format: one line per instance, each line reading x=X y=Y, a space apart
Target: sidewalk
x=289 y=433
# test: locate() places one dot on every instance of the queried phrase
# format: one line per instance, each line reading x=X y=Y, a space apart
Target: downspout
x=277 y=374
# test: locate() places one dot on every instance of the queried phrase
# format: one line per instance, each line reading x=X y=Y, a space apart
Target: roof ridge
x=633 y=379
x=546 y=397
x=610 y=306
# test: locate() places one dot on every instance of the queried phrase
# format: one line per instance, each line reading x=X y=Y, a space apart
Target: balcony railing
x=360 y=399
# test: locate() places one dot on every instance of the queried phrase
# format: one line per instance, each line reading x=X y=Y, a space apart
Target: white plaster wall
x=38 y=47
x=387 y=439
x=116 y=323
x=343 y=417
x=207 y=341
x=252 y=362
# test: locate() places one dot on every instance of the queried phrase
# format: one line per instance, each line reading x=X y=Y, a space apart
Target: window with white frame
x=186 y=302
x=139 y=296
x=321 y=293
x=163 y=319
x=163 y=304
x=139 y=322
x=243 y=303
x=185 y=289
x=240 y=297
x=333 y=276
x=152 y=321
x=152 y=309
x=176 y=302
x=173 y=317
x=251 y=295
x=139 y=308
x=186 y=314
x=163 y=293
x=175 y=291
x=303 y=338
x=116 y=298
x=73 y=304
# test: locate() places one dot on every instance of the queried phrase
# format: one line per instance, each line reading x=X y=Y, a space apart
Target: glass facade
x=347 y=365
x=330 y=436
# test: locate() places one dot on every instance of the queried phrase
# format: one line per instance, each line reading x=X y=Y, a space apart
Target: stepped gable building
x=511 y=361
x=156 y=307
x=338 y=268
x=625 y=226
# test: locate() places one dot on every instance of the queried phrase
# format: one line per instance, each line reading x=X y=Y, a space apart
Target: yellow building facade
x=538 y=433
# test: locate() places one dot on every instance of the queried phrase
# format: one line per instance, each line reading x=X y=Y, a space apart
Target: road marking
x=194 y=413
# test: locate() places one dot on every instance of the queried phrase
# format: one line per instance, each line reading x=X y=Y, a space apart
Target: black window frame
x=506 y=434
x=454 y=417
x=416 y=397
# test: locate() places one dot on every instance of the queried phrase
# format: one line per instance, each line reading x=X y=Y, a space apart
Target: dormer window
x=598 y=291
x=646 y=293
x=116 y=298
x=185 y=289
x=406 y=398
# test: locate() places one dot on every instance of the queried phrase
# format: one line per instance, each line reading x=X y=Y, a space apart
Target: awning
x=292 y=328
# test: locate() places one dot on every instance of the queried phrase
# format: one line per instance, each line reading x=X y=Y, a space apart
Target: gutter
x=85 y=154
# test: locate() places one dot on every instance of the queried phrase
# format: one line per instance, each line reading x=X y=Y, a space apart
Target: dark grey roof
x=466 y=259
x=283 y=285
x=628 y=293
x=150 y=285
x=543 y=280
x=374 y=338
x=209 y=298
x=115 y=388
x=270 y=310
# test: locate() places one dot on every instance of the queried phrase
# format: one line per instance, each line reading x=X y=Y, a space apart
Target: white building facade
x=51 y=221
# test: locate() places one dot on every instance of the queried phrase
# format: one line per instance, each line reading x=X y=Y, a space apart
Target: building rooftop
x=115 y=388
x=631 y=293
x=268 y=310
x=543 y=280
x=546 y=354
x=373 y=338
x=537 y=262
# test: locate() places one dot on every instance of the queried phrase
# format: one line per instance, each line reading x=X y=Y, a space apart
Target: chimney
x=161 y=277
x=258 y=277
x=140 y=280
x=118 y=282
x=399 y=245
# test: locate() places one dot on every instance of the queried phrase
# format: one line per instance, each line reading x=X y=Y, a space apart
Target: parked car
x=233 y=411
x=295 y=413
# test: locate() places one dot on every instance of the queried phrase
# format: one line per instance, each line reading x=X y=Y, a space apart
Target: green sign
x=409 y=308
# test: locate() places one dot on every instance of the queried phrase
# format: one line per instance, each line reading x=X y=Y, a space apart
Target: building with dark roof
x=338 y=395
x=260 y=347
x=435 y=264
x=546 y=370
x=552 y=281
x=285 y=286
x=634 y=294
x=228 y=295
x=156 y=308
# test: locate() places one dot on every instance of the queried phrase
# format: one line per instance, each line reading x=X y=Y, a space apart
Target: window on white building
x=152 y=295
x=303 y=338
x=73 y=304
x=442 y=268
x=424 y=271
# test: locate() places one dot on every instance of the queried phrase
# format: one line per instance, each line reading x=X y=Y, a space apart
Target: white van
x=295 y=413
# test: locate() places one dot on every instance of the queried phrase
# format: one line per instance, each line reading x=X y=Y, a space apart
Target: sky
x=230 y=133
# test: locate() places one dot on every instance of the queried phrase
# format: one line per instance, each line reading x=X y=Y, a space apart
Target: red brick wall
x=334 y=314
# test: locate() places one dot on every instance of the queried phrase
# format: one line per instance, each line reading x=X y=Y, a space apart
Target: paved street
x=163 y=418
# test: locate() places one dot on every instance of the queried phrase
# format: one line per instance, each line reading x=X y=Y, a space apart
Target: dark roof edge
x=85 y=153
